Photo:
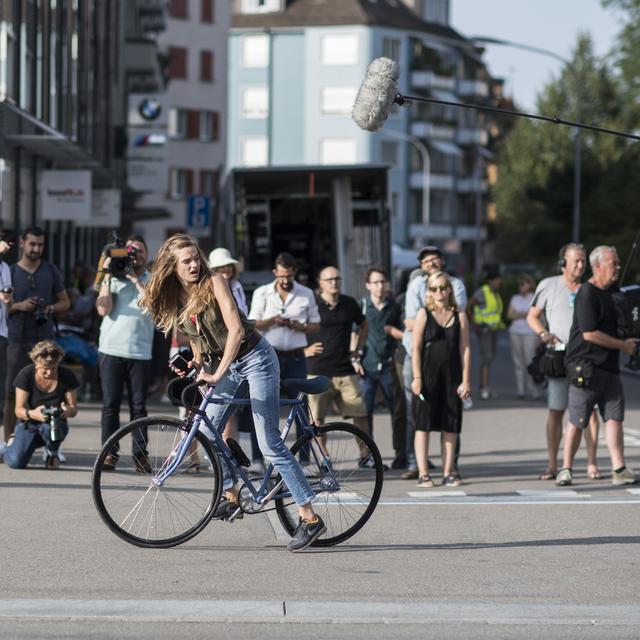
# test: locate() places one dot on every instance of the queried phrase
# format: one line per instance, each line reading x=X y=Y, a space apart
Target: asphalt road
x=502 y=556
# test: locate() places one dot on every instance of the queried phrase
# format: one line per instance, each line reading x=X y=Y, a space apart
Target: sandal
x=547 y=475
x=425 y=481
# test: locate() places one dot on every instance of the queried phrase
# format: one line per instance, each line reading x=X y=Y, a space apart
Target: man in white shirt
x=285 y=312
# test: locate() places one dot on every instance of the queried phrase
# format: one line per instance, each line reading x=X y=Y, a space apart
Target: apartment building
x=194 y=44
x=294 y=71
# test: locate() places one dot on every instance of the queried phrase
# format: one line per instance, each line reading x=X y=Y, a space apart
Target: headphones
x=562 y=262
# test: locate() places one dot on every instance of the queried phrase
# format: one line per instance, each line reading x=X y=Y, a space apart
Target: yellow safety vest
x=491 y=313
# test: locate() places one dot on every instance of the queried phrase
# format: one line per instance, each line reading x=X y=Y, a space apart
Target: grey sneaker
x=564 y=478
x=306 y=534
x=624 y=477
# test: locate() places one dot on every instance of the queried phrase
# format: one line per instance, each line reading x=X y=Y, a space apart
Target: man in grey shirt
x=551 y=316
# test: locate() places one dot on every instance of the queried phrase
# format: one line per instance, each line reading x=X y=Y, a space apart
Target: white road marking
x=551 y=493
x=298 y=611
x=427 y=493
x=634 y=491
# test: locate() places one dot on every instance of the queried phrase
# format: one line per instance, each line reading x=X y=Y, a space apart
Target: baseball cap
x=430 y=249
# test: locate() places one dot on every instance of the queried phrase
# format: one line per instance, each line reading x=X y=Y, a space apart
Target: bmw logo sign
x=150 y=108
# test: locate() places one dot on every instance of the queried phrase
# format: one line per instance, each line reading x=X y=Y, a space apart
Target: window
x=177 y=62
x=337 y=101
x=260 y=6
x=339 y=50
x=180 y=182
x=209 y=126
x=208 y=183
x=193 y=124
x=338 y=151
x=255 y=51
x=254 y=152
x=391 y=48
x=179 y=8
x=177 y=123
x=206 y=11
x=255 y=102
x=395 y=205
x=206 y=66
x=389 y=153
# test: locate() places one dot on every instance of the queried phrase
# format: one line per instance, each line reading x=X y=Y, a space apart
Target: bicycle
x=173 y=497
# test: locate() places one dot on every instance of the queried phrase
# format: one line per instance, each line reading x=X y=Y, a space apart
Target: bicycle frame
x=260 y=495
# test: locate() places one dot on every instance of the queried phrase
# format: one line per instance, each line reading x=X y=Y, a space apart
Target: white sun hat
x=220 y=257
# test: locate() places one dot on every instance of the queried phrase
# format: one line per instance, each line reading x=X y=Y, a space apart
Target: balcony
x=441 y=181
x=429 y=80
x=472 y=136
x=464 y=233
x=429 y=130
x=473 y=88
x=471 y=185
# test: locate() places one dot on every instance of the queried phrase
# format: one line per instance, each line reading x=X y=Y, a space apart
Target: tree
x=534 y=190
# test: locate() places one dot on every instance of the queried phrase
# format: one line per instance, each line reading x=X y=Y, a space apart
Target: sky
x=547 y=24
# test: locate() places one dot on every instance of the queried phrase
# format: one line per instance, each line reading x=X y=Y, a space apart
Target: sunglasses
x=48 y=354
x=31 y=281
x=440 y=287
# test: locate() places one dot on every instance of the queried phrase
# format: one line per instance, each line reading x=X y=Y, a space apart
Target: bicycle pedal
x=238 y=514
x=238 y=453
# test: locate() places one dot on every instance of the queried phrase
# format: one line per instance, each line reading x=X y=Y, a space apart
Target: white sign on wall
x=147 y=134
x=105 y=208
x=65 y=195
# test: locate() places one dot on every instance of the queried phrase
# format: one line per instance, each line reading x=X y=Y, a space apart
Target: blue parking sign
x=198 y=214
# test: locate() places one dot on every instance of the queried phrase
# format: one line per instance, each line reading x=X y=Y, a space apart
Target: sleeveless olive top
x=208 y=332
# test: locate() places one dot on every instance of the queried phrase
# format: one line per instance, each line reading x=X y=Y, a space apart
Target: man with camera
x=593 y=366
x=125 y=344
x=38 y=294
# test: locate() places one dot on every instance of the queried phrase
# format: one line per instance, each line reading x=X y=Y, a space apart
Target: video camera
x=53 y=414
x=122 y=257
x=627 y=302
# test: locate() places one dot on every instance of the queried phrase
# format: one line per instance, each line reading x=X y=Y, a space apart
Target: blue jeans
x=135 y=374
x=260 y=370
x=28 y=437
x=369 y=387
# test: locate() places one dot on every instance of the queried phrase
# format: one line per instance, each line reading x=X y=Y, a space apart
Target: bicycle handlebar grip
x=189 y=389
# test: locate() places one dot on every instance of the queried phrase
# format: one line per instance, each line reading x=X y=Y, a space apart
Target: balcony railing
x=447 y=231
x=472 y=136
x=471 y=185
x=429 y=80
x=441 y=181
x=476 y=88
x=430 y=130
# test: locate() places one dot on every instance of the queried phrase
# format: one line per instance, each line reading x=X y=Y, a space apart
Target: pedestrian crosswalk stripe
x=551 y=493
x=436 y=494
x=634 y=491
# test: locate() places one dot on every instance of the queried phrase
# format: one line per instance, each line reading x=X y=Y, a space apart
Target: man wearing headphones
x=551 y=316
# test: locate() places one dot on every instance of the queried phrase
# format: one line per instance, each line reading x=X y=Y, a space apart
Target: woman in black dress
x=441 y=362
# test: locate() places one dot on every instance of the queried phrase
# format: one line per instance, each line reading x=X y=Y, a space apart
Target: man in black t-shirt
x=334 y=355
x=592 y=366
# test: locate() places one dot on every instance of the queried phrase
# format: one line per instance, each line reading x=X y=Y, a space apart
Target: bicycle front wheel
x=347 y=491
x=142 y=511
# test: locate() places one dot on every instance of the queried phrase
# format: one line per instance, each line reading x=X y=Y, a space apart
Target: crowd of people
x=410 y=352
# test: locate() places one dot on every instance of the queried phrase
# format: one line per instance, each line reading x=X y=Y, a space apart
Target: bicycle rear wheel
x=346 y=506
x=146 y=514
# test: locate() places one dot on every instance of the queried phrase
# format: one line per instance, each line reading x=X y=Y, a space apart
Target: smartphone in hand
x=179 y=364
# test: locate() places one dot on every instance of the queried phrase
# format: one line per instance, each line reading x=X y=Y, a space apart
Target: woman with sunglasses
x=183 y=294
x=42 y=387
x=441 y=362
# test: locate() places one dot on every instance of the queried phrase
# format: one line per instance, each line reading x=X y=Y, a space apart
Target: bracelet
x=542 y=334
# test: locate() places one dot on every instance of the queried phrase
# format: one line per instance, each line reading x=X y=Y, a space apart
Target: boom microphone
x=377 y=93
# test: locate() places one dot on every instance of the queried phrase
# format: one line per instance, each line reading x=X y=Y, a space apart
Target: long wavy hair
x=162 y=293
x=429 y=301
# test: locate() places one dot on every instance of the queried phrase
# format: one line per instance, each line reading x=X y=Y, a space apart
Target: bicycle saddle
x=311 y=386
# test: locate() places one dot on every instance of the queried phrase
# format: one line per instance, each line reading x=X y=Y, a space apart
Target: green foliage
x=535 y=188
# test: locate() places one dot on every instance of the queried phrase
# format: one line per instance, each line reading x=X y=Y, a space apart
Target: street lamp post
x=577 y=141
x=426 y=169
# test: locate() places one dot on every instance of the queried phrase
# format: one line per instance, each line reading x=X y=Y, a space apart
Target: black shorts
x=604 y=390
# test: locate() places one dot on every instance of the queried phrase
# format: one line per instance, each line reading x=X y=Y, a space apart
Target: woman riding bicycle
x=183 y=294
